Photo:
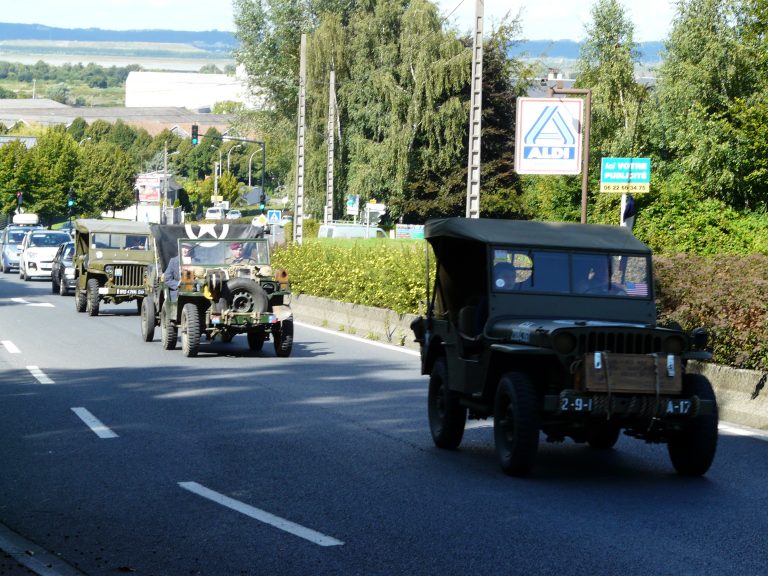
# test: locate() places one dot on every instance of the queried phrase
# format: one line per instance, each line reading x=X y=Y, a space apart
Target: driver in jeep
x=239 y=256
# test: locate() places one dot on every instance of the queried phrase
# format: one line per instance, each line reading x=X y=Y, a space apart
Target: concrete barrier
x=742 y=395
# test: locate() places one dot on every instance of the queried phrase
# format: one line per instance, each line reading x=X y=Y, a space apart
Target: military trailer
x=216 y=281
x=111 y=261
x=551 y=328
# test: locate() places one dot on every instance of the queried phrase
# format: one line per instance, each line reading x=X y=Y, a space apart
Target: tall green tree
x=54 y=159
x=104 y=179
x=712 y=101
x=15 y=174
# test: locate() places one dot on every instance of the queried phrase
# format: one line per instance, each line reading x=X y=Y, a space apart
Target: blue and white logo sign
x=548 y=138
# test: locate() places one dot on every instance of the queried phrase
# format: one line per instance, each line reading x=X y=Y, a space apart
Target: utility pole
x=298 y=217
x=331 y=126
x=558 y=89
x=475 y=114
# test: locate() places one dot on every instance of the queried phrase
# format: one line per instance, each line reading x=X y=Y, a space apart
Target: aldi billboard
x=548 y=137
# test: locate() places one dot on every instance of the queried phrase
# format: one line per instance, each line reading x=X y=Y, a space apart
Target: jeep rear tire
x=80 y=303
x=282 y=334
x=603 y=434
x=447 y=418
x=92 y=299
x=147 y=320
x=190 y=329
x=692 y=449
x=168 y=330
x=256 y=340
x=516 y=424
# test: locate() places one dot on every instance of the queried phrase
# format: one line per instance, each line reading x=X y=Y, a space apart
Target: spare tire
x=244 y=295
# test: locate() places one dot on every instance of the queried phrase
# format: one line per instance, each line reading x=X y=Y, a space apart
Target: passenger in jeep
x=239 y=256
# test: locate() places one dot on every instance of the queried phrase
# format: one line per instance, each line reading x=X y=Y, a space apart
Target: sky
x=542 y=19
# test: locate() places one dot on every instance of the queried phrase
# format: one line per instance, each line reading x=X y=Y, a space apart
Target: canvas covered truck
x=550 y=328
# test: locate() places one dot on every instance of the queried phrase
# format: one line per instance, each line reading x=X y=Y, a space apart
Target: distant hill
x=651 y=52
x=213 y=40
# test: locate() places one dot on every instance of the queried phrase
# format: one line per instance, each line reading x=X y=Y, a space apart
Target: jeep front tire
x=692 y=449
x=190 y=330
x=516 y=424
x=92 y=297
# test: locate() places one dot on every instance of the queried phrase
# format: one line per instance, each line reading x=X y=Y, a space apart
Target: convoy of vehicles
x=551 y=327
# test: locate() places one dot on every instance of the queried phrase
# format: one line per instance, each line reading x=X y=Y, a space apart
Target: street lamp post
x=229 y=153
x=165 y=182
x=220 y=162
x=263 y=165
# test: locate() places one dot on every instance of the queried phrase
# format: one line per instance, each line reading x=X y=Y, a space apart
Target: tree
x=14 y=175
x=104 y=179
x=711 y=97
x=53 y=161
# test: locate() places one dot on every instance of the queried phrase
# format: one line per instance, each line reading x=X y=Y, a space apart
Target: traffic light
x=19 y=197
x=194 y=135
x=262 y=201
x=70 y=199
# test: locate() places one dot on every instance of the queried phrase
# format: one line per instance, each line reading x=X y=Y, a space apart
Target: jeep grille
x=620 y=342
x=132 y=275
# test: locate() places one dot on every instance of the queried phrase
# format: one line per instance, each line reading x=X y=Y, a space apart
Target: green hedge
x=723 y=293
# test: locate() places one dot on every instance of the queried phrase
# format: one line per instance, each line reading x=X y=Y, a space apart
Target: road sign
x=625 y=175
x=353 y=204
x=274 y=216
x=548 y=136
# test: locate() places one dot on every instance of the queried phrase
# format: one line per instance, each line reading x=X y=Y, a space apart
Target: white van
x=215 y=213
x=349 y=230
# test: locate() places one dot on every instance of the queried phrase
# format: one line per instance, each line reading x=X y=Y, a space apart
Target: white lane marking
x=28 y=303
x=736 y=430
x=94 y=423
x=10 y=347
x=262 y=516
x=37 y=559
x=39 y=375
x=366 y=340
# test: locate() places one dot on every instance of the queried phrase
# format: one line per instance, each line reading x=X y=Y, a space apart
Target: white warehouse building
x=189 y=90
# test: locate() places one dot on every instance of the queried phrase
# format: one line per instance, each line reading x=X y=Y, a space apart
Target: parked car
x=234 y=214
x=349 y=230
x=551 y=327
x=215 y=213
x=62 y=269
x=111 y=261
x=37 y=251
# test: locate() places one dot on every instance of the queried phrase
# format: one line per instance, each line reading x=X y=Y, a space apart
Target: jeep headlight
x=674 y=345
x=564 y=342
x=110 y=270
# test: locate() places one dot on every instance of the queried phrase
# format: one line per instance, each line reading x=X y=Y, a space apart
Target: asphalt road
x=120 y=457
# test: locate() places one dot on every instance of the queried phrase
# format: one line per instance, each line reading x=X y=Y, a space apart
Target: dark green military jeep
x=216 y=281
x=551 y=327
x=111 y=260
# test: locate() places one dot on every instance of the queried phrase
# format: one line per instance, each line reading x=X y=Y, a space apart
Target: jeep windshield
x=239 y=252
x=567 y=272
x=112 y=241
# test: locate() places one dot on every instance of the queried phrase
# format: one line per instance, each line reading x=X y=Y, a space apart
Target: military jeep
x=200 y=286
x=551 y=328
x=111 y=260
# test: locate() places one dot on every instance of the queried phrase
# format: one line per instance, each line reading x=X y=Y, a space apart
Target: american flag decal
x=637 y=289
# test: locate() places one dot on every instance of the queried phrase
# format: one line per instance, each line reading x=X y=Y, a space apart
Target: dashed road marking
x=10 y=347
x=94 y=423
x=262 y=516
x=39 y=375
